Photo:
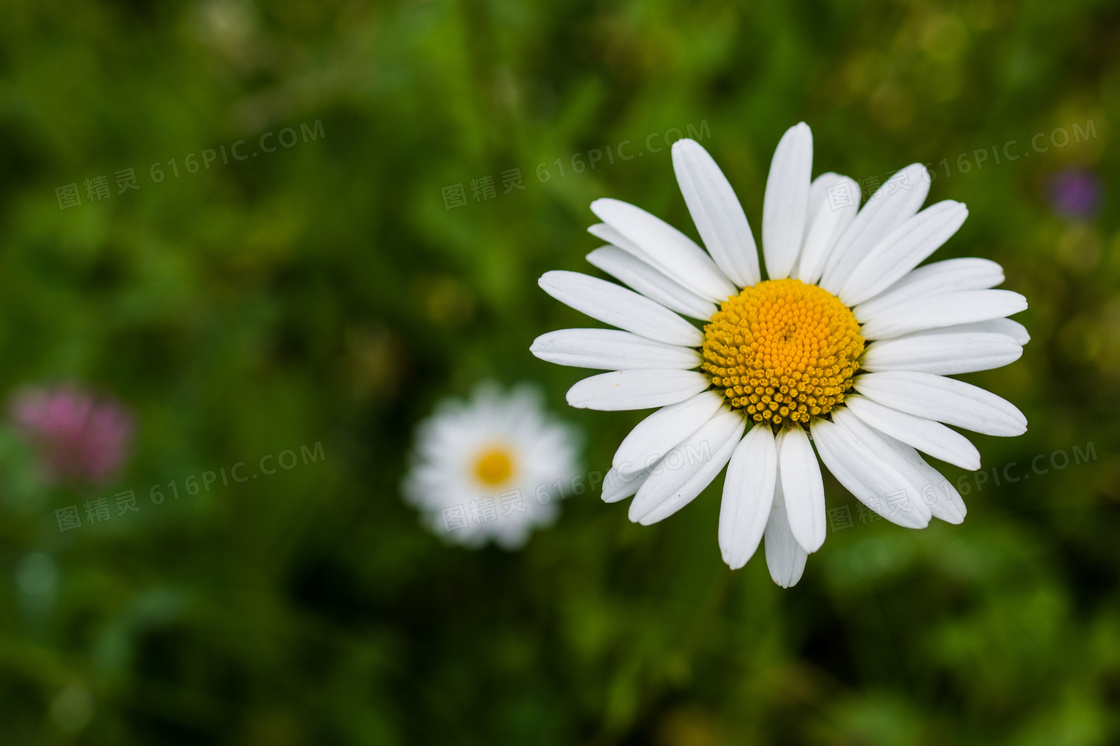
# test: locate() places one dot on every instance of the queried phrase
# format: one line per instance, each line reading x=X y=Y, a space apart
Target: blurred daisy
x=846 y=344
x=487 y=469
x=77 y=435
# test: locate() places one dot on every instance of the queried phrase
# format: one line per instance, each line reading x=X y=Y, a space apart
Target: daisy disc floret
x=836 y=348
x=485 y=469
x=782 y=351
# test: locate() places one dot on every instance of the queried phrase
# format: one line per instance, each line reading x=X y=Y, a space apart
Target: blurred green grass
x=324 y=293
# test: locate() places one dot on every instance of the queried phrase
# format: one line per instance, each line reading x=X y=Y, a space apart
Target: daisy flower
x=844 y=344
x=486 y=469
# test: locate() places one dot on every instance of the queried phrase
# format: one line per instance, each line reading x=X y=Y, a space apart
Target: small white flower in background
x=845 y=345
x=487 y=469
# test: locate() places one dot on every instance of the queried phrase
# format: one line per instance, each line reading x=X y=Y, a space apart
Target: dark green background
x=323 y=293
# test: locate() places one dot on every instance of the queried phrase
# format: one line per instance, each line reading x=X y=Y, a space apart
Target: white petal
x=951 y=275
x=902 y=249
x=865 y=472
x=819 y=193
x=875 y=442
x=883 y=213
x=1011 y=328
x=617 y=486
x=748 y=495
x=617 y=306
x=716 y=212
x=675 y=482
x=936 y=311
x=659 y=433
x=785 y=558
x=945 y=400
x=921 y=433
x=627 y=246
x=668 y=249
x=924 y=485
x=649 y=281
x=937 y=492
x=787 y=200
x=943 y=354
x=833 y=203
x=613 y=236
x=636 y=389
x=609 y=349
x=1007 y=327
x=799 y=479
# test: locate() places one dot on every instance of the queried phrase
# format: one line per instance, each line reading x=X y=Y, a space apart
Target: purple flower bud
x=1075 y=193
x=77 y=436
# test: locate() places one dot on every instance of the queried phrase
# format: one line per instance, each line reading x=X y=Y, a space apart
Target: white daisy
x=486 y=469
x=846 y=345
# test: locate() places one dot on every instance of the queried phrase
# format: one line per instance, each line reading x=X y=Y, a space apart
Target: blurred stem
x=492 y=118
x=692 y=633
x=706 y=615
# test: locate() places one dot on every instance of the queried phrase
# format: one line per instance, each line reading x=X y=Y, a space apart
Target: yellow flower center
x=783 y=351
x=494 y=466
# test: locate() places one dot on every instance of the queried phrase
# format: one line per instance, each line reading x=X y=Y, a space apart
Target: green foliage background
x=324 y=293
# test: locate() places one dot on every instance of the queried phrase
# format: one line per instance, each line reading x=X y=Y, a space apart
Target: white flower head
x=486 y=469
x=845 y=344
